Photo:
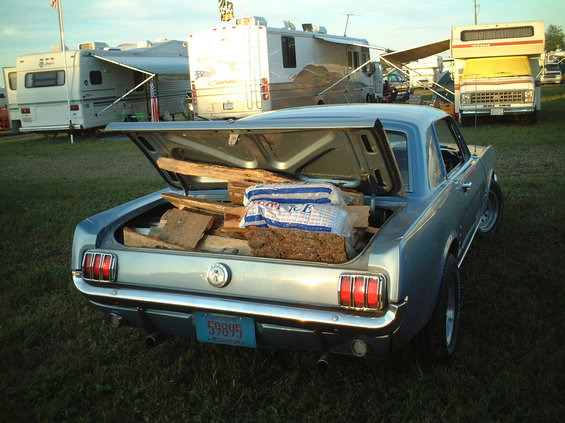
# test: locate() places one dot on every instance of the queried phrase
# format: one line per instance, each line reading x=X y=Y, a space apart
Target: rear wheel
x=492 y=214
x=437 y=341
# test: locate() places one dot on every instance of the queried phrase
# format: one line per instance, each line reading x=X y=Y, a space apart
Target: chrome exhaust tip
x=116 y=320
x=324 y=362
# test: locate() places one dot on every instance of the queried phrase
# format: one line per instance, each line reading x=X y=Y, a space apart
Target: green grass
x=60 y=361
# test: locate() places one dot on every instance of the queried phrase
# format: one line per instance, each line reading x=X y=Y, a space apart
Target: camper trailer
x=423 y=72
x=247 y=68
x=495 y=69
x=95 y=85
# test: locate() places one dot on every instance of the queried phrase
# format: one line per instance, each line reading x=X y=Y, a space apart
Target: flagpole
x=67 y=79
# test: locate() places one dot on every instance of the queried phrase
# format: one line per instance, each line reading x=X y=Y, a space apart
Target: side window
x=288 y=52
x=399 y=144
x=95 y=77
x=13 y=80
x=45 y=79
x=449 y=139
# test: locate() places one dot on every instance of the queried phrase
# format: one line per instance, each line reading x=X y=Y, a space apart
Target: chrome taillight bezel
x=105 y=271
x=357 y=296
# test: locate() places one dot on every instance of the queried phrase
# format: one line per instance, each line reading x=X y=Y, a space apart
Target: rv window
x=497 y=33
x=95 y=77
x=288 y=52
x=13 y=80
x=353 y=59
x=45 y=79
x=365 y=59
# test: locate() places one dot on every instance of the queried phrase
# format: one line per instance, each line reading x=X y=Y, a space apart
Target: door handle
x=465 y=186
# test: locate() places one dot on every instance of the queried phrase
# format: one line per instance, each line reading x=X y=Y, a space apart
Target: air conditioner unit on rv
x=92 y=45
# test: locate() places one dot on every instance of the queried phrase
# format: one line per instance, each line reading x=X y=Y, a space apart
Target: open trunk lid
x=345 y=145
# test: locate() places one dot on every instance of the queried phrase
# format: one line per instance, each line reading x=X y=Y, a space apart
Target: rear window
x=45 y=79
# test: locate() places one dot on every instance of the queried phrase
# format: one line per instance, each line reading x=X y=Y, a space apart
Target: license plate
x=224 y=329
x=496 y=112
x=228 y=106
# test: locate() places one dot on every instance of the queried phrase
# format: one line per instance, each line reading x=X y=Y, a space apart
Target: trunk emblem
x=218 y=275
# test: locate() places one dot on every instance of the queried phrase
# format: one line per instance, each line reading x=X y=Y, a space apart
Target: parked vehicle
x=424 y=72
x=399 y=86
x=393 y=276
x=551 y=74
x=239 y=70
x=99 y=85
x=495 y=69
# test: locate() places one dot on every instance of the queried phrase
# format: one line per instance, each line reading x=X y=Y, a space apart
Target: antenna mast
x=347 y=22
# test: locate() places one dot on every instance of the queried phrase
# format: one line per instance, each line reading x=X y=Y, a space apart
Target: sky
x=32 y=26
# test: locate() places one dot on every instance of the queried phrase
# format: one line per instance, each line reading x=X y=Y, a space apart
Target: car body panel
x=432 y=208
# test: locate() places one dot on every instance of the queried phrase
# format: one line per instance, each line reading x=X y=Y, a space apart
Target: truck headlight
x=529 y=96
x=466 y=98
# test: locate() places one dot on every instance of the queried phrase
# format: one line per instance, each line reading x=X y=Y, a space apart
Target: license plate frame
x=218 y=328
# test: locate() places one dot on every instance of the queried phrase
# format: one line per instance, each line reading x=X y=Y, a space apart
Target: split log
x=253 y=176
x=222 y=244
x=136 y=239
x=185 y=228
x=183 y=201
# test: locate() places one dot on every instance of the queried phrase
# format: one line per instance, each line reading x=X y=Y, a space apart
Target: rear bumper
x=278 y=326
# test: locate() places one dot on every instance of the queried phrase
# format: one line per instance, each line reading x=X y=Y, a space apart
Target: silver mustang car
x=192 y=261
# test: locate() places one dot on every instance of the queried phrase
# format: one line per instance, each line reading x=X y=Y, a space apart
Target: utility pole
x=475 y=2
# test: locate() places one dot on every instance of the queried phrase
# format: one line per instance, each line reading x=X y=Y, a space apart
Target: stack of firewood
x=213 y=226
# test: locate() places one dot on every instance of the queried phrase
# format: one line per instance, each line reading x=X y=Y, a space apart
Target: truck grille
x=497 y=97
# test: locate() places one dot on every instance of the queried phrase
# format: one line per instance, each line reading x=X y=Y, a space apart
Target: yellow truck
x=495 y=69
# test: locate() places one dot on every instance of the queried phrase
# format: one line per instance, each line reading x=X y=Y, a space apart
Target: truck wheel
x=436 y=342
x=492 y=214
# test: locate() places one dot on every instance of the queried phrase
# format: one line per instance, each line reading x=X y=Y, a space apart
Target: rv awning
x=150 y=65
x=342 y=40
x=399 y=58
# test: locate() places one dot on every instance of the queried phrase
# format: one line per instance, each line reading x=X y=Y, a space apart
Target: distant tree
x=554 y=38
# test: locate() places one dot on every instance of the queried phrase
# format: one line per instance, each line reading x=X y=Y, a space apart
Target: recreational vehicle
x=423 y=72
x=495 y=69
x=95 y=85
x=247 y=68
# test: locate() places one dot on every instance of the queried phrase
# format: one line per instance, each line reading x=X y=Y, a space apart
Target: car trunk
x=211 y=165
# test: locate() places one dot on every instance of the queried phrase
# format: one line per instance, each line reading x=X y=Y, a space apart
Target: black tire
x=492 y=214
x=437 y=341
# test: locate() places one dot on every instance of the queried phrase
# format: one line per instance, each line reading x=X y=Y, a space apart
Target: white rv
x=423 y=72
x=247 y=68
x=495 y=69
x=99 y=85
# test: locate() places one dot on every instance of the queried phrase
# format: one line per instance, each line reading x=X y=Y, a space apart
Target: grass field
x=61 y=362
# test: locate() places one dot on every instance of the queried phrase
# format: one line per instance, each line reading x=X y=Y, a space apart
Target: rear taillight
x=99 y=267
x=25 y=110
x=265 y=89
x=363 y=292
x=75 y=107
